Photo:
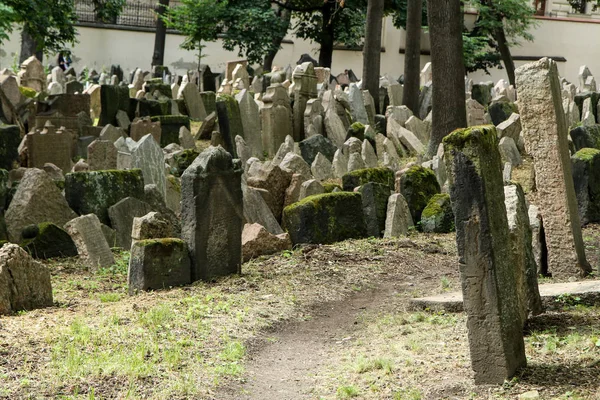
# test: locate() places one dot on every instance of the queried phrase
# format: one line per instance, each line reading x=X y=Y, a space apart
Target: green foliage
x=7 y=16
x=49 y=22
x=199 y=20
x=397 y=8
x=108 y=10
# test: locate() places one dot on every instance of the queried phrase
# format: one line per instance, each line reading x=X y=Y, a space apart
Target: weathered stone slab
x=96 y=191
x=374 y=204
x=49 y=145
x=276 y=118
x=121 y=218
x=545 y=134
x=250 y=122
x=158 y=264
x=36 y=200
x=102 y=155
x=148 y=156
x=486 y=265
x=257 y=241
x=24 y=283
x=212 y=214
x=86 y=232
x=398 y=219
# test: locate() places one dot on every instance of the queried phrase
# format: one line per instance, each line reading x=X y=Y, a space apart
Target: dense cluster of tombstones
x=93 y=161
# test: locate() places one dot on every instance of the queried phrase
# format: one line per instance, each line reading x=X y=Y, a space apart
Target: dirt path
x=282 y=365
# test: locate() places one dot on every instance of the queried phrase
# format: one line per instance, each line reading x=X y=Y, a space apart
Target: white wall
x=99 y=48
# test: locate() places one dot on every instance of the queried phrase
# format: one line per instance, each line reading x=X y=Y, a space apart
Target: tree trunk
x=412 y=55
x=500 y=37
x=158 y=57
x=448 y=70
x=285 y=16
x=372 y=49
x=29 y=46
x=327 y=37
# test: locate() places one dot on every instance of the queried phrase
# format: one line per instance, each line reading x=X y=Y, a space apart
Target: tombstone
x=111 y=133
x=121 y=218
x=11 y=90
x=102 y=155
x=368 y=155
x=374 y=204
x=586 y=79
x=32 y=74
x=242 y=149
x=292 y=163
x=486 y=266
x=426 y=74
x=186 y=140
x=193 y=101
x=24 y=283
x=250 y=122
x=212 y=214
x=482 y=92
x=545 y=134
x=310 y=187
x=310 y=147
x=140 y=127
x=475 y=113
x=49 y=145
x=357 y=103
x=398 y=219
x=240 y=78
x=334 y=127
x=256 y=210
x=36 y=200
x=425 y=100
x=305 y=88
x=509 y=152
x=95 y=102
x=96 y=191
x=522 y=251
x=148 y=156
x=276 y=117
x=74 y=87
x=86 y=232
x=395 y=91
x=10 y=138
x=313 y=118
x=112 y=99
x=510 y=128
x=321 y=168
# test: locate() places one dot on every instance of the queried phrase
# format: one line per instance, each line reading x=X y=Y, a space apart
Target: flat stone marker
x=91 y=244
x=587 y=291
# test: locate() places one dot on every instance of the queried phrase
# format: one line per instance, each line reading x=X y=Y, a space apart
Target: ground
x=319 y=322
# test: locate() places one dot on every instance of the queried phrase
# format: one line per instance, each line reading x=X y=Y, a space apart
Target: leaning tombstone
x=212 y=214
x=487 y=270
x=545 y=134
x=86 y=232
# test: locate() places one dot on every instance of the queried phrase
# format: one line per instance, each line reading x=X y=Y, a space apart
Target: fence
x=135 y=13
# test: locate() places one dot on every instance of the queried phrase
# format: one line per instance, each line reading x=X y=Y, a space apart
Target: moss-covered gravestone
x=158 y=264
x=545 y=134
x=375 y=202
x=437 y=216
x=418 y=185
x=212 y=214
x=586 y=136
x=586 y=178
x=359 y=177
x=96 y=191
x=489 y=281
x=47 y=240
x=325 y=218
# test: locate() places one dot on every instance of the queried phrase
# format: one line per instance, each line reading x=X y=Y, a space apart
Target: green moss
x=434 y=207
x=176 y=184
x=163 y=242
x=418 y=185
x=27 y=92
x=329 y=187
x=49 y=240
x=438 y=216
x=359 y=177
x=316 y=200
x=460 y=139
x=184 y=160
x=587 y=154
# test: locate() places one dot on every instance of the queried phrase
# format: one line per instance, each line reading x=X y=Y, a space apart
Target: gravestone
x=36 y=200
x=140 y=127
x=193 y=101
x=488 y=275
x=212 y=214
x=374 y=204
x=313 y=118
x=121 y=218
x=250 y=118
x=86 y=232
x=149 y=157
x=32 y=74
x=49 y=145
x=230 y=121
x=102 y=154
x=357 y=103
x=10 y=137
x=96 y=191
x=545 y=134
x=398 y=219
x=305 y=88
x=24 y=283
x=113 y=99
x=276 y=118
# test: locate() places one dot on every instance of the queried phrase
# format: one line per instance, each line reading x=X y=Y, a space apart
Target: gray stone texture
x=86 y=232
x=545 y=134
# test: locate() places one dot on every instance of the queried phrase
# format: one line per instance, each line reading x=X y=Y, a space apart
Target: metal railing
x=136 y=13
